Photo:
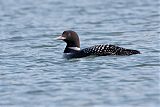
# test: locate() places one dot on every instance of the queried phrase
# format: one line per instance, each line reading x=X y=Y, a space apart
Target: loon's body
x=72 y=49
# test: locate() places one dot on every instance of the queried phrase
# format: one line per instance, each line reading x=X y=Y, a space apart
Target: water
x=33 y=72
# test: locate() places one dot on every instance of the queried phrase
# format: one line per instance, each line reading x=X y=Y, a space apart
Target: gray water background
x=33 y=72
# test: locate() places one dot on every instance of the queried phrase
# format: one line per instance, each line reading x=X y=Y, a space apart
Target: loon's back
x=101 y=50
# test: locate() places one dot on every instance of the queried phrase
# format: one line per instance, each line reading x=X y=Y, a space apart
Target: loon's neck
x=75 y=48
x=71 y=49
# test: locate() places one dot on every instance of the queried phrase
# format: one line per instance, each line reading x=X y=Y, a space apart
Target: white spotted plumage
x=105 y=50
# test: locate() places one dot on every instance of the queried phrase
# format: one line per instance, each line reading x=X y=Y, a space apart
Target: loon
x=73 y=50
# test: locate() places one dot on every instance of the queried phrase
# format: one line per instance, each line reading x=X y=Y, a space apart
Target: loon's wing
x=102 y=50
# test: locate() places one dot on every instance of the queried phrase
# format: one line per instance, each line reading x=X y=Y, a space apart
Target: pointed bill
x=60 y=38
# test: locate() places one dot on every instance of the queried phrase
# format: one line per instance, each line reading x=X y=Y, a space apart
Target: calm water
x=33 y=72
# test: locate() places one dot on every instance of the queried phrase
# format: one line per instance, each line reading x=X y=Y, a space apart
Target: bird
x=72 y=49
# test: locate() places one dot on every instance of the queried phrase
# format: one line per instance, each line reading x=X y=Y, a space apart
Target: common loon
x=73 y=50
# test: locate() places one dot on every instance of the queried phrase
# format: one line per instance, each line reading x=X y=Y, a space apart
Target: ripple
x=146 y=65
x=13 y=39
x=35 y=92
x=41 y=46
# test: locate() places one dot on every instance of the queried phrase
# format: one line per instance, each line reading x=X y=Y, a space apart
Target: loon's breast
x=76 y=54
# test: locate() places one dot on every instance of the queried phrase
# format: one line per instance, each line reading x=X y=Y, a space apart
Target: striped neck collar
x=74 y=48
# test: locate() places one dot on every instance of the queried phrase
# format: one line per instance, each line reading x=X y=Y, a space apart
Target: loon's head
x=71 y=38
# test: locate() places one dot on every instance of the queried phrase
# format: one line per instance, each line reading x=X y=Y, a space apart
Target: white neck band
x=74 y=48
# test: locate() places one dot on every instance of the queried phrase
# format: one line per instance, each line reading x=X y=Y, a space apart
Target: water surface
x=34 y=73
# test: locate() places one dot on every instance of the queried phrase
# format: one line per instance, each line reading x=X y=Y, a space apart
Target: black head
x=71 y=38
